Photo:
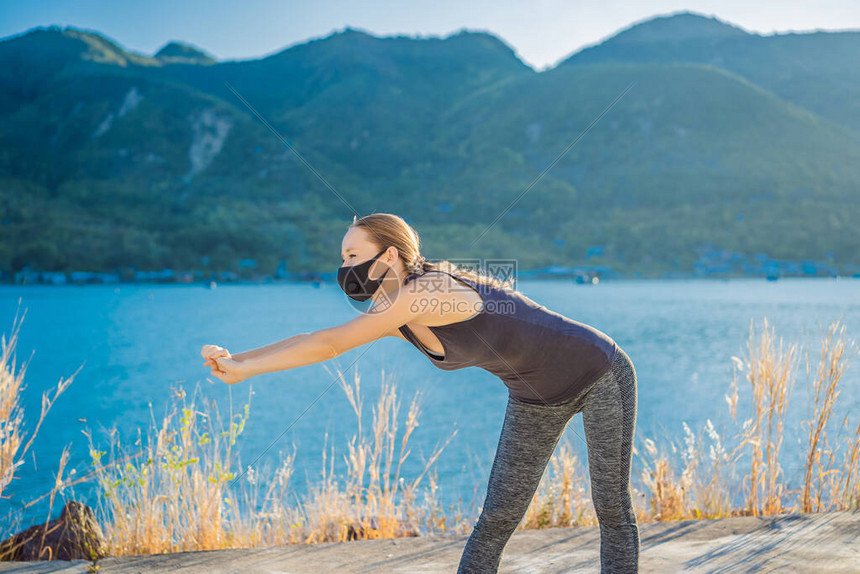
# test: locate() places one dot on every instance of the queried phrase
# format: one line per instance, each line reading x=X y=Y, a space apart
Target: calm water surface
x=134 y=343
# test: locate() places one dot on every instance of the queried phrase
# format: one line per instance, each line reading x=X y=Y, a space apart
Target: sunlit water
x=137 y=342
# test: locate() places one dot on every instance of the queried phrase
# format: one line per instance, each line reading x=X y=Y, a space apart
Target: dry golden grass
x=705 y=490
x=12 y=433
x=169 y=493
x=373 y=503
x=561 y=498
x=829 y=484
x=180 y=487
x=14 y=442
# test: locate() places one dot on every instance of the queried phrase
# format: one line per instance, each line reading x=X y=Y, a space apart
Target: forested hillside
x=724 y=139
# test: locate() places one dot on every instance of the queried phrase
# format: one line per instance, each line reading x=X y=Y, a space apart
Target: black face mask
x=356 y=283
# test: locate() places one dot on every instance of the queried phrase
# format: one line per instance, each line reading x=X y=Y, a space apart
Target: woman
x=553 y=366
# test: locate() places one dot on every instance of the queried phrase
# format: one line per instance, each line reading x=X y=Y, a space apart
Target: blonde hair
x=387 y=229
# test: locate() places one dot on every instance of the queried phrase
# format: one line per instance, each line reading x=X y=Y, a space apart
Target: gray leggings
x=529 y=436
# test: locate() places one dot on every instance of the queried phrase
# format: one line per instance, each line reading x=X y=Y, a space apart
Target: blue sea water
x=132 y=344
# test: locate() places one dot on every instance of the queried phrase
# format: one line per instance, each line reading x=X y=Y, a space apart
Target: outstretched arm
x=318 y=346
x=277 y=346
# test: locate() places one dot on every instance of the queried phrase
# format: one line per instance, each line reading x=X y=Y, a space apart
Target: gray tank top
x=542 y=356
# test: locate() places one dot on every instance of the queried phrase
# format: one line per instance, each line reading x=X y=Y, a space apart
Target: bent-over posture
x=553 y=367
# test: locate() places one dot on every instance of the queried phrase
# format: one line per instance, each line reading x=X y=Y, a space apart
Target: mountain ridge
x=112 y=159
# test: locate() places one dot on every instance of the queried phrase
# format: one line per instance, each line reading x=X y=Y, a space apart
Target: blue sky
x=541 y=31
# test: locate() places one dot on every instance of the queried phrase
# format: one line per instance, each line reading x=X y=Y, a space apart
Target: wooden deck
x=825 y=542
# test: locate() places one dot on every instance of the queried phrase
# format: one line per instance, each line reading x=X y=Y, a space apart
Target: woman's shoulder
x=443 y=277
x=439 y=278
x=428 y=275
x=433 y=280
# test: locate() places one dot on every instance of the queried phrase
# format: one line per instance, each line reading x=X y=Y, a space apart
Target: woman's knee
x=615 y=509
x=496 y=523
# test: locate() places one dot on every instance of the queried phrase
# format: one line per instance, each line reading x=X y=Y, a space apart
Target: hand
x=212 y=352
x=229 y=370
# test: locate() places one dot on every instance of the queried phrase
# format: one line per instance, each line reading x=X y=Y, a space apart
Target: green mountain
x=110 y=158
x=180 y=53
x=819 y=71
x=673 y=165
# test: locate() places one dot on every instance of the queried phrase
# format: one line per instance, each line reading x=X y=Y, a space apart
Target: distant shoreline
x=273 y=281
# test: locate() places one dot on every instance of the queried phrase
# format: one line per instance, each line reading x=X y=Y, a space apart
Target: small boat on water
x=590 y=278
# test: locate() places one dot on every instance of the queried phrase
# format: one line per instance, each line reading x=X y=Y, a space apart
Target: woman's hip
x=621 y=373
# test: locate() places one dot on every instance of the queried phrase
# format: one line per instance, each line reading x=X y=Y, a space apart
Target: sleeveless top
x=542 y=356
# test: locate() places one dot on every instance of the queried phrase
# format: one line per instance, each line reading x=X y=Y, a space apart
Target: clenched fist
x=212 y=352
